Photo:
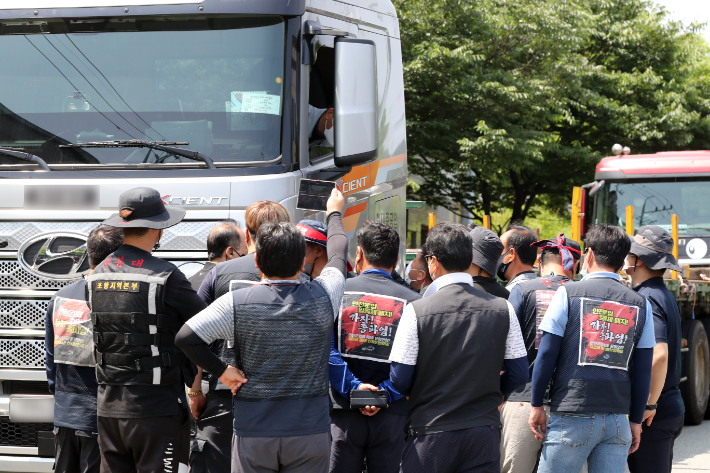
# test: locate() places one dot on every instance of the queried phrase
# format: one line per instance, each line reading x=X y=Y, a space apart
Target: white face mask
x=329 y=134
x=584 y=271
x=406 y=272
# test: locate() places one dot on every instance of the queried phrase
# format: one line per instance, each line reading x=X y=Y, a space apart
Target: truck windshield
x=655 y=202
x=215 y=82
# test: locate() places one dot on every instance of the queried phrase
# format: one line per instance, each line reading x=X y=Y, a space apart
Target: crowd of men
x=284 y=357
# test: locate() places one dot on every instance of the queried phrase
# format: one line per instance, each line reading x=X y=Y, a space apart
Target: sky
x=690 y=10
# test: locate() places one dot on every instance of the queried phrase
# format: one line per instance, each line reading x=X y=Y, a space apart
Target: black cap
x=654 y=246
x=487 y=248
x=147 y=211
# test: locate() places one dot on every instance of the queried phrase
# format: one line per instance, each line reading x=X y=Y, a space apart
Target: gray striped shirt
x=216 y=322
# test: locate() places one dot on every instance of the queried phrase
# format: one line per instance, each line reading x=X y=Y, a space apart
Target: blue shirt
x=667 y=326
x=555 y=319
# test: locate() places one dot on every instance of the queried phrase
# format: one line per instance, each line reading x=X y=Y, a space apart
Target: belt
x=134 y=318
x=138 y=339
x=140 y=364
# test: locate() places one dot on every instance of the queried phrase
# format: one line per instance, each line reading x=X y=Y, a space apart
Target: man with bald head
x=225 y=242
x=211 y=407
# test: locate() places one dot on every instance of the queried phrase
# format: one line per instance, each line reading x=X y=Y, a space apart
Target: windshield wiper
x=17 y=153
x=167 y=146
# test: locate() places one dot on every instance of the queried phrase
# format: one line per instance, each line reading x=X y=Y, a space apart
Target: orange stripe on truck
x=355 y=209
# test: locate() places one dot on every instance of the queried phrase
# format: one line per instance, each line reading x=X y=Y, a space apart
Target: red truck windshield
x=655 y=202
x=214 y=82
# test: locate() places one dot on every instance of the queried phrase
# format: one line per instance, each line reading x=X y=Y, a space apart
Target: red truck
x=658 y=186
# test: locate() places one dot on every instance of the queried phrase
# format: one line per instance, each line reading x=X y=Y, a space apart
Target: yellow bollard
x=487 y=221
x=432 y=220
x=576 y=210
x=674 y=233
x=630 y=220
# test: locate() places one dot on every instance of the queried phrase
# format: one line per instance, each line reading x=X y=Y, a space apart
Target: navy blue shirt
x=74 y=387
x=666 y=324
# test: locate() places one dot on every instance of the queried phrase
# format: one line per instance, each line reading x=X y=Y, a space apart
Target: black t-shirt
x=667 y=327
x=197 y=278
x=139 y=401
x=491 y=286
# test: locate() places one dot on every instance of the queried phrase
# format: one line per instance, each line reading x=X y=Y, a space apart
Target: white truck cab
x=215 y=103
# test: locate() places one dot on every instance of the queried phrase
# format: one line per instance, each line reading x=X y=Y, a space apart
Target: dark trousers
x=459 y=451
x=378 y=439
x=295 y=454
x=655 y=453
x=211 y=449
x=75 y=451
x=145 y=445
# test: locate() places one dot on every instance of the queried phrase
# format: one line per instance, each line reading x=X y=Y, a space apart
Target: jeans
x=601 y=440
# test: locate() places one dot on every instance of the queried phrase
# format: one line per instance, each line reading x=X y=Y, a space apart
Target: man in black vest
x=138 y=303
x=487 y=249
x=518 y=257
x=447 y=356
x=368 y=433
x=211 y=407
x=597 y=348
x=558 y=264
x=281 y=330
x=219 y=279
x=71 y=374
x=650 y=256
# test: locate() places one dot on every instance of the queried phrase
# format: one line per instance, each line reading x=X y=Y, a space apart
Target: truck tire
x=706 y=324
x=696 y=367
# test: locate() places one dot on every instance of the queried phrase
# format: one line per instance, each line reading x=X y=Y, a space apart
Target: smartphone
x=314 y=195
x=359 y=399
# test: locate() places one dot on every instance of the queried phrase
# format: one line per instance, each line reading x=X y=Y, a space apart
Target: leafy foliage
x=512 y=100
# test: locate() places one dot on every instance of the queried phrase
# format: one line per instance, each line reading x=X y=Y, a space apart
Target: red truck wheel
x=696 y=368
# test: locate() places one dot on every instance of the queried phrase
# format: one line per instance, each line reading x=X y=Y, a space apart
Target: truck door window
x=321 y=100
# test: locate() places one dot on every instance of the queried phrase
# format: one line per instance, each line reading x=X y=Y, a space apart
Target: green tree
x=511 y=103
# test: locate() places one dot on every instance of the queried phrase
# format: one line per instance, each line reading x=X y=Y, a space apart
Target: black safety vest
x=133 y=335
x=537 y=294
x=462 y=339
x=369 y=371
x=594 y=369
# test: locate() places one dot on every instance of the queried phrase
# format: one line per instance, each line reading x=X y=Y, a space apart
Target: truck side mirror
x=355 y=101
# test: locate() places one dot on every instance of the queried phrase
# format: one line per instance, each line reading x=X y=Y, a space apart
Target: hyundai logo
x=55 y=255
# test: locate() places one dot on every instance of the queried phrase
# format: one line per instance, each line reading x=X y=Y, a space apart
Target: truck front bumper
x=16 y=464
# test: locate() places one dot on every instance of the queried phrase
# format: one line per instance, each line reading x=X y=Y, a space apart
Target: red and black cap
x=144 y=209
x=314 y=231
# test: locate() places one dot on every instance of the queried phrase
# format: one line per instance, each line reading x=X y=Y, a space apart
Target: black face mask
x=503 y=267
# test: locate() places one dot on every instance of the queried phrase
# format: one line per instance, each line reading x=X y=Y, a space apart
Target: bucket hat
x=654 y=246
x=147 y=210
x=487 y=248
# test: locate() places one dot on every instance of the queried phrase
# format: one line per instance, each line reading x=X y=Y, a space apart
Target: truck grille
x=21 y=353
x=185 y=236
x=14 y=276
x=22 y=313
x=21 y=435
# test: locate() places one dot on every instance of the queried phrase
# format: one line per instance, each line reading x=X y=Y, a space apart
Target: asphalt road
x=692 y=449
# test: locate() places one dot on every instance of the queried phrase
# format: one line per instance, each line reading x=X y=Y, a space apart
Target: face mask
x=329 y=134
x=584 y=271
x=406 y=272
x=308 y=269
x=503 y=267
x=433 y=274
